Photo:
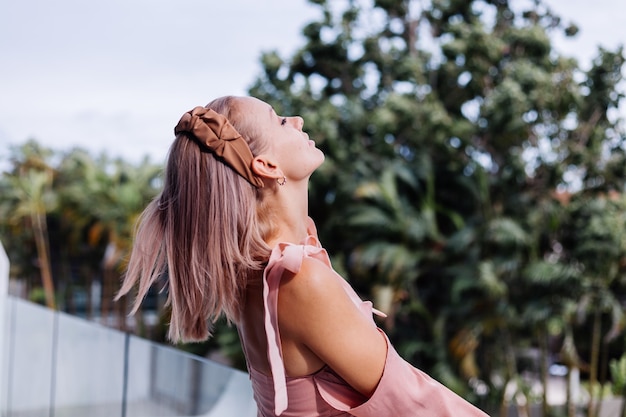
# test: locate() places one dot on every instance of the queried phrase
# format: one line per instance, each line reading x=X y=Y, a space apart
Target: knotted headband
x=213 y=131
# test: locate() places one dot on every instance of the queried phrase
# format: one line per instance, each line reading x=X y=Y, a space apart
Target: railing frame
x=95 y=370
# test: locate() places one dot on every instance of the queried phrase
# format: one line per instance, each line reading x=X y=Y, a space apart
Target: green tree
x=93 y=204
x=28 y=200
x=80 y=178
x=103 y=198
x=596 y=243
x=473 y=94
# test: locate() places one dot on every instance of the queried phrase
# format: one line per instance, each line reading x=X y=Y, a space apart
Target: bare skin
x=319 y=325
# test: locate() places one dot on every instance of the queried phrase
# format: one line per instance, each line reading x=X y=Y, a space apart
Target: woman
x=231 y=233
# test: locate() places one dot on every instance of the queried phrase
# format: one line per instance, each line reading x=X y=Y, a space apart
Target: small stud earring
x=281 y=183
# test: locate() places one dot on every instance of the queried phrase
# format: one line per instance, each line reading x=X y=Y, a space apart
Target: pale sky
x=115 y=76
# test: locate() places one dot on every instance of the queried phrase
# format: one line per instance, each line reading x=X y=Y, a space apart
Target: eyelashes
x=283 y=122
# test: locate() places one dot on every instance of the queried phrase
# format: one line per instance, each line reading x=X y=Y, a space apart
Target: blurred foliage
x=618 y=372
x=90 y=207
x=473 y=188
x=473 y=173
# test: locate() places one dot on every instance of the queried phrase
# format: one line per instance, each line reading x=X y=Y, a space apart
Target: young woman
x=231 y=234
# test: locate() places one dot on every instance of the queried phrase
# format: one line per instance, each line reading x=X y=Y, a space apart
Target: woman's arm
x=315 y=310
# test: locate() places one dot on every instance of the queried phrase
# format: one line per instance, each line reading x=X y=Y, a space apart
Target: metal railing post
x=125 y=381
x=4 y=339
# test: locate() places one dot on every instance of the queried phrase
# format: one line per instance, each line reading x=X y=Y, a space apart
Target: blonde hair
x=205 y=233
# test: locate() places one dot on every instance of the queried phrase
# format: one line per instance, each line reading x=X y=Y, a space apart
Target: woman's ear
x=264 y=167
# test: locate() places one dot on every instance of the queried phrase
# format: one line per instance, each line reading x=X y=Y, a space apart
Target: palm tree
x=80 y=179
x=129 y=188
x=393 y=227
x=597 y=246
x=31 y=199
x=103 y=198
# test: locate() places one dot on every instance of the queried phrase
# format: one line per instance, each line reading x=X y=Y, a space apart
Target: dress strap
x=283 y=257
x=288 y=257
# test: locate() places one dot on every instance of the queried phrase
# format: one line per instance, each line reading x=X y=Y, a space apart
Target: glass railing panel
x=30 y=359
x=163 y=381
x=225 y=391
x=89 y=373
x=143 y=397
x=61 y=365
x=170 y=382
x=5 y=349
x=212 y=380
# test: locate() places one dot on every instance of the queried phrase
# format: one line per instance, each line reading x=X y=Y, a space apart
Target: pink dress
x=403 y=390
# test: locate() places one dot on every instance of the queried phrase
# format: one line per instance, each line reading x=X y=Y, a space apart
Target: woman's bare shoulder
x=315 y=310
x=312 y=287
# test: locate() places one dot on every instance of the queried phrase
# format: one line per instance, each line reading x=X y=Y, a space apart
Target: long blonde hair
x=205 y=234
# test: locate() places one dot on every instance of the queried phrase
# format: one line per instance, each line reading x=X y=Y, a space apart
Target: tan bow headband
x=214 y=132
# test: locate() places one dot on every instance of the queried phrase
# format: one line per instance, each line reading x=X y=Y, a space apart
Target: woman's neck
x=290 y=208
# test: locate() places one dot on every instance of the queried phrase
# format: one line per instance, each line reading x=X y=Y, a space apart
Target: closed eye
x=283 y=122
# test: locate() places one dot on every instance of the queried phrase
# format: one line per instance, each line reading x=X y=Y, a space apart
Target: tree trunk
x=624 y=401
x=110 y=278
x=87 y=273
x=602 y=377
x=595 y=354
x=43 y=253
x=571 y=411
x=543 y=366
x=573 y=389
x=511 y=368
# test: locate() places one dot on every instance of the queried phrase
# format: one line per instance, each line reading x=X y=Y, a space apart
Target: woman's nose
x=299 y=122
